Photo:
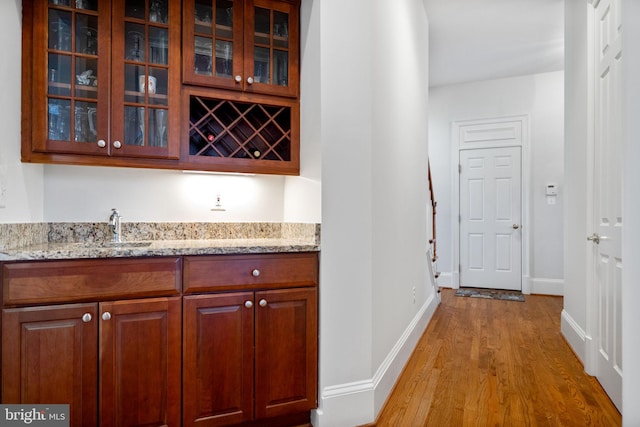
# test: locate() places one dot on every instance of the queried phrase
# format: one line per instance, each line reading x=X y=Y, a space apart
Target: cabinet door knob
x=238 y=78
x=102 y=143
x=86 y=318
x=117 y=144
x=250 y=80
x=255 y=272
x=248 y=304
x=263 y=303
x=106 y=315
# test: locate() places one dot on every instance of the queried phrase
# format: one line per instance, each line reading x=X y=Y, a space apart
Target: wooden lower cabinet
x=249 y=357
x=140 y=364
x=50 y=355
x=124 y=343
x=114 y=363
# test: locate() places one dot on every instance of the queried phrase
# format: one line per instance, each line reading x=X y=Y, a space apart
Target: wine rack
x=239 y=130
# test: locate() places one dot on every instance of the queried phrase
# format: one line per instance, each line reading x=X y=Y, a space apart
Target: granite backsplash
x=20 y=235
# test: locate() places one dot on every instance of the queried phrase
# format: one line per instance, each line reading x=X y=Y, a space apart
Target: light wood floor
x=496 y=363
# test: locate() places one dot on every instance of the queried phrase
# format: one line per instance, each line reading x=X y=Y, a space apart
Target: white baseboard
x=359 y=402
x=546 y=286
x=446 y=280
x=574 y=334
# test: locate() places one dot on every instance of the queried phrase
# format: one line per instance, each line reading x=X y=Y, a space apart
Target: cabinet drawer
x=87 y=280
x=233 y=272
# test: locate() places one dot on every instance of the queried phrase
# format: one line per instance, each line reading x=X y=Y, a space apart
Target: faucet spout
x=114 y=225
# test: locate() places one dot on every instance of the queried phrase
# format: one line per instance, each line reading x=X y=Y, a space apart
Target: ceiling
x=472 y=40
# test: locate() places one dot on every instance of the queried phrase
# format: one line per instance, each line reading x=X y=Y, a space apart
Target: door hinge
x=459 y=268
x=459 y=218
x=459 y=168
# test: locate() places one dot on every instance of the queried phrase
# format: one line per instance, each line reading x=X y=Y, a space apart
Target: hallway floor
x=496 y=363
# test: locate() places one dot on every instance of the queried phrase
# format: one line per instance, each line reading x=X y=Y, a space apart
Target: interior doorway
x=490 y=187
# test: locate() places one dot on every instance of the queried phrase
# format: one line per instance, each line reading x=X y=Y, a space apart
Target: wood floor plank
x=496 y=363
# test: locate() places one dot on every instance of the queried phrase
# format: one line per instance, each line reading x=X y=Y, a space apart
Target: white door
x=608 y=200
x=490 y=218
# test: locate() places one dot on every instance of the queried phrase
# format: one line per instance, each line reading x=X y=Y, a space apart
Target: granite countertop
x=197 y=243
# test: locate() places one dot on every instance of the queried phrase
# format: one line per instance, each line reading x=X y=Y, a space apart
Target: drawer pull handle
x=248 y=304
x=263 y=303
x=106 y=315
x=255 y=272
x=86 y=318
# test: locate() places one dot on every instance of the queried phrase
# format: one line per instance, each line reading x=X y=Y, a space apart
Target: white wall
x=373 y=91
x=539 y=96
x=574 y=324
x=85 y=193
x=302 y=194
x=22 y=183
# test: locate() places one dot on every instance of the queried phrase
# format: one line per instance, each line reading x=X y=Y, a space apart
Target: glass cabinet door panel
x=86 y=78
x=86 y=4
x=158 y=11
x=157 y=86
x=159 y=45
x=59 y=77
x=224 y=58
x=59 y=30
x=203 y=55
x=281 y=67
x=134 y=42
x=85 y=122
x=262 y=65
x=86 y=34
x=58 y=119
x=135 y=9
x=158 y=121
x=134 y=133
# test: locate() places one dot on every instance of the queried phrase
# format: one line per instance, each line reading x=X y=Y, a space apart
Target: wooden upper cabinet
x=250 y=45
x=101 y=78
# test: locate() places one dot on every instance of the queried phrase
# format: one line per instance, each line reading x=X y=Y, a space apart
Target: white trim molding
x=576 y=337
x=546 y=286
x=359 y=402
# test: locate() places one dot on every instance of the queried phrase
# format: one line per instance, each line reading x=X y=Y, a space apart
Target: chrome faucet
x=114 y=225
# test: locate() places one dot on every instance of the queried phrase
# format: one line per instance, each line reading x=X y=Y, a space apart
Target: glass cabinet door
x=145 y=78
x=212 y=43
x=76 y=84
x=271 y=38
x=247 y=45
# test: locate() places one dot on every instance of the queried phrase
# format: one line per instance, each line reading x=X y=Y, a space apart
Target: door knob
x=515 y=226
x=596 y=238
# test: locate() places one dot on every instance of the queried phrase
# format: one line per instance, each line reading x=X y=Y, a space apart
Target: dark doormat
x=490 y=294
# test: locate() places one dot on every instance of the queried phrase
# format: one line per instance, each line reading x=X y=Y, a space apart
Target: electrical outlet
x=414 y=294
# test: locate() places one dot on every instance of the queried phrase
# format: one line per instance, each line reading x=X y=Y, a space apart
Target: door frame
x=509 y=126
